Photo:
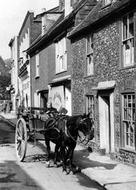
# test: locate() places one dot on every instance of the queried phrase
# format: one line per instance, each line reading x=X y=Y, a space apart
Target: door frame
x=107 y=141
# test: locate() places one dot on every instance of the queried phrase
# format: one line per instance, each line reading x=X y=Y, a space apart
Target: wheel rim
x=21 y=139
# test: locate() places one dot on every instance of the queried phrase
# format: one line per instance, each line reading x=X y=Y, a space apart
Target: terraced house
x=30 y=30
x=104 y=75
x=51 y=53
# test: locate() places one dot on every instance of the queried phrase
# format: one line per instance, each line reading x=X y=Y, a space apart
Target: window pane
x=90 y=105
x=131 y=25
x=132 y=50
x=124 y=28
x=129 y=120
x=89 y=55
x=127 y=53
x=128 y=40
x=89 y=65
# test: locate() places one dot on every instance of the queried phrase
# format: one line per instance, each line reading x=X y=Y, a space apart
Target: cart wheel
x=21 y=139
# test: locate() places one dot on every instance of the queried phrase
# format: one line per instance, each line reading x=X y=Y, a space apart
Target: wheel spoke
x=21 y=139
x=18 y=145
x=18 y=132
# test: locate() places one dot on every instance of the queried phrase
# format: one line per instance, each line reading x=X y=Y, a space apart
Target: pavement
x=110 y=174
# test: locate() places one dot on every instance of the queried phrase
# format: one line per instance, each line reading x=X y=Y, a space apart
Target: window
x=129 y=120
x=37 y=66
x=36 y=99
x=61 y=56
x=128 y=40
x=89 y=56
x=90 y=105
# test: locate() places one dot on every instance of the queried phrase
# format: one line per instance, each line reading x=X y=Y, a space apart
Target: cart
x=30 y=122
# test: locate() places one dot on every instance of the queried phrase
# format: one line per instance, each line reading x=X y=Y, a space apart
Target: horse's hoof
x=76 y=170
x=68 y=171
x=48 y=164
x=79 y=170
x=59 y=164
x=55 y=165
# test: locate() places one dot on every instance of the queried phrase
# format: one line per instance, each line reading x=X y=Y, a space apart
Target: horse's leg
x=47 y=142
x=56 y=153
x=63 y=152
x=70 y=165
x=69 y=160
x=73 y=167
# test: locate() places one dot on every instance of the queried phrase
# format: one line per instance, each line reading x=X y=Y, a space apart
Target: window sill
x=128 y=150
x=36 y=77
x=129 y=67
x=88 y=76
x=60 y=72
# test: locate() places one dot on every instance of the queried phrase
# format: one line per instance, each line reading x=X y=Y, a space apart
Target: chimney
x=61 y=5
x=44 y=21
x=68 y=7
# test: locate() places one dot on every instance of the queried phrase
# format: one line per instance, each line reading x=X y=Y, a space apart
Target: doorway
x=106 y=121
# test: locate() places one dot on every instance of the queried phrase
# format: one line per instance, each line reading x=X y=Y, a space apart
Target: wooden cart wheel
x=21 y=139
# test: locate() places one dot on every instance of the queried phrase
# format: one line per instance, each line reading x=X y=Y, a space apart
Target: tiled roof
x=61 y=24
x=99 y=13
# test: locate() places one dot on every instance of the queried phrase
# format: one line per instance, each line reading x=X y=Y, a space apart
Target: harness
x=53 y=123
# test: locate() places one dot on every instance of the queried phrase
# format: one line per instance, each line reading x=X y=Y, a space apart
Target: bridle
x=85 y=139
x=81 y=141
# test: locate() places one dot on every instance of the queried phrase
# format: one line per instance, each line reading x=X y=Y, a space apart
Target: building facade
x=13 y=44
x=42 y=55
x=104 y=75
x=30 y=30
x=52 y=55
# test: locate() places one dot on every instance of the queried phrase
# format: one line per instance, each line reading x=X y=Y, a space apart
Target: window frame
x=126 y=41
x=89 y=54
x=128 y=124
x=61 y=56
x=90 y=105
x=37 y=65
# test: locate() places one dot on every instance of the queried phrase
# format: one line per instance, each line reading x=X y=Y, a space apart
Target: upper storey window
x=37 y=66
x=128 y=40
x=89 y=56
x=61 y=56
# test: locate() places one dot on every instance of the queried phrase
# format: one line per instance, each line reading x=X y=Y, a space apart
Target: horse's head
x=86 y=126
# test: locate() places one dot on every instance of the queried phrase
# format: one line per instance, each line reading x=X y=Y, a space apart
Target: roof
x=50 y=11
x=61 y=25
x=42 y=39
x=26 y=17
x=100 y=13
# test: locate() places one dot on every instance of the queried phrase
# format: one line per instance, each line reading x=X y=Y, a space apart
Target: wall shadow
x=13 y=177
x=81 y=159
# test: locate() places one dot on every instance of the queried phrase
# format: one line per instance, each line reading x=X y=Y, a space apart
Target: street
x=33 y=172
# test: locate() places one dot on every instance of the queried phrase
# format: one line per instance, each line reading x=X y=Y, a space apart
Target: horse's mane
x=73 y=120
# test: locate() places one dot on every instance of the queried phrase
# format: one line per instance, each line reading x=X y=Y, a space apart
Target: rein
x=68 y=134
x=55 y=128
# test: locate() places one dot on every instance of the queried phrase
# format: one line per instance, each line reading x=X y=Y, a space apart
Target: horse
x=74 y=125
x=53 y=130
x=63 y=130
